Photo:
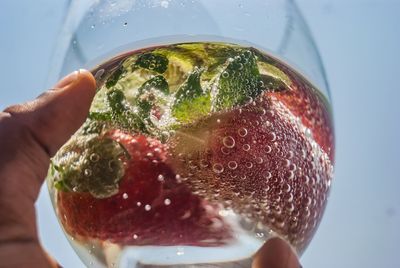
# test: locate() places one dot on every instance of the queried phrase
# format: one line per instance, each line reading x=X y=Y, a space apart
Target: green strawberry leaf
x=158 y=82
x=153 y=61
x=115 y=77
x=95 y=123
x=119 y=114
x=239 y=83
x=273 y=84
x=191 y=102
x=90 y=164
x=149 y=96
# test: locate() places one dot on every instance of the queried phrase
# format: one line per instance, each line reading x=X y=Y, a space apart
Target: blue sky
x=358 y=41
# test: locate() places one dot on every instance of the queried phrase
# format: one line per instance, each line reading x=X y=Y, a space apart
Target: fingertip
x=276 y=253
x=81 y=79
x=80 y=92
x=87 y=79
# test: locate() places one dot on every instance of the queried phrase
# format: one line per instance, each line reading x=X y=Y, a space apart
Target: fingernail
x=70 y=79
x=67 y=80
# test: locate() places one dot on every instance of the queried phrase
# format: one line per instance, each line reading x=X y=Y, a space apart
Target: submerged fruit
x=206 y=145
x=260 y=161
x=151 y=207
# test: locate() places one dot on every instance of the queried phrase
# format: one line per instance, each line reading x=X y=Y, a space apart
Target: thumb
x=275 y=253
x=30 y=134
x=55 y=115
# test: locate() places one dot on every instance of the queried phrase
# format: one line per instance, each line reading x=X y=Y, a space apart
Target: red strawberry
x=261 y=161
x=304 y=102
x=151 y=207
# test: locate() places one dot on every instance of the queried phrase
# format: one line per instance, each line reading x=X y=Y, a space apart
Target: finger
x=29 y=134
x=276 y=253
x=54 y=116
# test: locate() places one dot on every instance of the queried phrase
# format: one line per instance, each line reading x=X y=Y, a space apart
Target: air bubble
x=160 y=177
x=224 y=150
x=94 y=158
x=272 y=136
x=289 y=175
x=164 y=4
x=242 y=132
x=218 y=168
x=138 y=204
x=135 y=236
x=125 y=196
x=203 y=163
x=228 y=142
x=286 y=162
x=232 y=165
x=287 y=188
x=87 y=172
x=246 y=147
x=167 y=202
x=308 y=133
x=111 y=164
x=147 y=207
x=180 y=251
x=259 y=235
x=268 y=149
x=292 y=167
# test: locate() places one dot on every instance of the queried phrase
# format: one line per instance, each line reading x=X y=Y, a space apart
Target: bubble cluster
x=273 y=173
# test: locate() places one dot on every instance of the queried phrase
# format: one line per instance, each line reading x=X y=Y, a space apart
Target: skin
x=30 y=134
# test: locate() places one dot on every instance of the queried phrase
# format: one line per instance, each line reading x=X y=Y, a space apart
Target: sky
x=358 y=41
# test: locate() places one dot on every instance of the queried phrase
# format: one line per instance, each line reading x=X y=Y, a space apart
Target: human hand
x=30 y=134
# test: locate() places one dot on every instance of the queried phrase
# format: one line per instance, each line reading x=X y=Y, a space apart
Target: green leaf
x=115 y=77
x=189 y=110
x=158 y=83
x=153 y=61
x=116 y=101
x=239 y=83
x=191 y=102
x=90 y=164
x=61 y=186
x=149 y=97
x=273 y=84
x=191 y=88
x=121 y=112
x=95 y=123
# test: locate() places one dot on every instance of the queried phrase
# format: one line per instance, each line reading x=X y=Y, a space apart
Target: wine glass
x=211 y=132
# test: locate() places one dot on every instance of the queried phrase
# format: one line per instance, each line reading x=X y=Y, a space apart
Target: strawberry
x=242 y=130
x=304 y=102
x=262 y=162
x=151 y=207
